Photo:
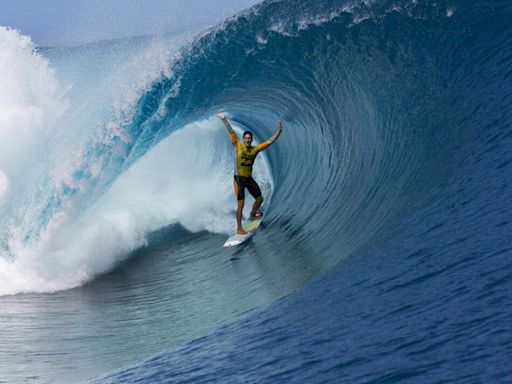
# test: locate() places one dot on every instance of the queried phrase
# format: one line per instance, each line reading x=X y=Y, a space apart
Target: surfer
x=245 y=155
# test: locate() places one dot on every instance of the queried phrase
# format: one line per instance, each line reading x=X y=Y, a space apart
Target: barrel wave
x=385 y=251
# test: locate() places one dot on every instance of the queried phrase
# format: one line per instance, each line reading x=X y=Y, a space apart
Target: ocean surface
x=385 y=255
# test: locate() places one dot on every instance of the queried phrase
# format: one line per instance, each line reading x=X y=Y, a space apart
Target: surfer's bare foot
x=256 y=215
x=240 y=231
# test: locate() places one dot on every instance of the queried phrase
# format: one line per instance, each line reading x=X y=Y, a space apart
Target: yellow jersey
x=245 y=156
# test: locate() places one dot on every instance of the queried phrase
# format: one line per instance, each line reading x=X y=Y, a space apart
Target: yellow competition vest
x=244 y=157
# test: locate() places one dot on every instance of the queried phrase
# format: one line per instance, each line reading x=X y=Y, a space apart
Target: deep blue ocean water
x=385 y=255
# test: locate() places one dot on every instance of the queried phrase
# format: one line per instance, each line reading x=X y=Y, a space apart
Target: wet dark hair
x=247 y=133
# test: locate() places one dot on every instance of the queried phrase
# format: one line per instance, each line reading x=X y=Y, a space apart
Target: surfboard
x=250 y=227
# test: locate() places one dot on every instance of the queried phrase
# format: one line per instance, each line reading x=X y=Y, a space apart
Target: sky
x=73 y=22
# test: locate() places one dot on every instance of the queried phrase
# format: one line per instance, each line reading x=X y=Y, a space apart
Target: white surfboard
x=250 y=227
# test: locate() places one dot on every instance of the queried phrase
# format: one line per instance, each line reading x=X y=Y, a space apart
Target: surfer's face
x=247 y=139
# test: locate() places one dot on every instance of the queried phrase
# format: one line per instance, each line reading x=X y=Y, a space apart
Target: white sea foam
x=31 y=100
x=260 y=39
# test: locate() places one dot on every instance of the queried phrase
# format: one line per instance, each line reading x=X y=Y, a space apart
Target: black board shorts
x=242 y=182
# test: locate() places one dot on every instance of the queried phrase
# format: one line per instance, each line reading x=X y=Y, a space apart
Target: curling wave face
x=364 y=129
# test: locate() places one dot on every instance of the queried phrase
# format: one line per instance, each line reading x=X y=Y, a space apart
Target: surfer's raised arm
x=276 y=135
x=226 y=123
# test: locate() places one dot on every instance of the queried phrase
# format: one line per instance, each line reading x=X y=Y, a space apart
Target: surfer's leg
x=240 y=196
x=255 y=191
x=239 y=211
x=255 y=212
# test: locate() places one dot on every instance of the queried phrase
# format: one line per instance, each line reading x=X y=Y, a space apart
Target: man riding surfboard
x=245 y=155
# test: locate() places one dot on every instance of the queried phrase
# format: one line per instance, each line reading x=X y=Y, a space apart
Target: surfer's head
x=247 y=138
